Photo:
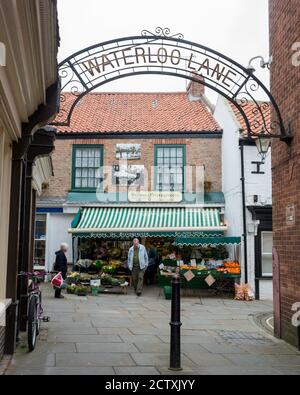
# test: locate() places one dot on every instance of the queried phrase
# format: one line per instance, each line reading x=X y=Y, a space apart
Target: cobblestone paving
x=127 y=335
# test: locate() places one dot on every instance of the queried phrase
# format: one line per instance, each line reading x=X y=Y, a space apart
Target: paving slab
x=150 y=339
x=191 y=339
x=136 y=371
x=73 y=331
x=105 y=347
x=208 y=359
x=64 y=371
x=34 y=360
x=94 y=359
x=216 y=348
x=55 y=348
x=113 y=331
x=85 y=339
x=158 y=359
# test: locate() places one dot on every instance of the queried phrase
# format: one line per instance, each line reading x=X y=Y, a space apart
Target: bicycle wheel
x=32 y=322
x=39 y=313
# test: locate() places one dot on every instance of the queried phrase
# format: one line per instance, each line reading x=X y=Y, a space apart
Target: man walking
x=137 y=263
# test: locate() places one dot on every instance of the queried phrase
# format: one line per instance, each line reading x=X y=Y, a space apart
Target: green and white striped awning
x=206 y=241
x=134 y=220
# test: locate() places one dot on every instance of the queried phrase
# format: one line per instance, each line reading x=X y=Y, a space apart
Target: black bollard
x=175 y=352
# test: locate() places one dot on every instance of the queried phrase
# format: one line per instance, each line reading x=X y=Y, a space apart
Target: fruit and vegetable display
x=106 y=279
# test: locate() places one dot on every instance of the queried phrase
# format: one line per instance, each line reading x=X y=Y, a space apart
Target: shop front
x=187 y=239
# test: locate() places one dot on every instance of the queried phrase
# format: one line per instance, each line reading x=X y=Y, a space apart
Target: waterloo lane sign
x=170 y=55
x=159 y=56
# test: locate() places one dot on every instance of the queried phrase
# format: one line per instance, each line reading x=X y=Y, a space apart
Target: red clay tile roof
x=251 y=114
x=139 y=112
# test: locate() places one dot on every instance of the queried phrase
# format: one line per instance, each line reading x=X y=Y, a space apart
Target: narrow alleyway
x=117 y=334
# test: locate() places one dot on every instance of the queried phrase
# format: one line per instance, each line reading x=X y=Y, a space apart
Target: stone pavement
x=127 y=335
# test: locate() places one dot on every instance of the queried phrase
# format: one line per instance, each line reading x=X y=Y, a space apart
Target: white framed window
x=266 y=254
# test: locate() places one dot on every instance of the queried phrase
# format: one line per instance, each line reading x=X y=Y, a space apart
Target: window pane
x=91 y=162
x=170 y=168
x=87 y=167
x=78 y=153
x=40 y=226
x=179 y=179
x=97 y=183
x=267 y=242
x=267 y=265
x=160 y=153
x=91 y=153
x=91 y=173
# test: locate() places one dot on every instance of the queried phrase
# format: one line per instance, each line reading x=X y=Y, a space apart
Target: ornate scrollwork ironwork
x=162 y=32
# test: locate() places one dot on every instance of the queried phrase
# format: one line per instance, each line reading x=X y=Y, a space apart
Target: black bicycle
x=35 y=309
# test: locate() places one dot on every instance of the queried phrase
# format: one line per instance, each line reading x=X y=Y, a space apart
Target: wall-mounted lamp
x=263 y=143
x=263 y=63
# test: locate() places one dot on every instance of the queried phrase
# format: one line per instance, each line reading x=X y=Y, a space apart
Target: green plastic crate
x=168 y=292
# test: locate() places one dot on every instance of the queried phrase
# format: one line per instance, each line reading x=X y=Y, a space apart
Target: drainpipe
x=244 y=212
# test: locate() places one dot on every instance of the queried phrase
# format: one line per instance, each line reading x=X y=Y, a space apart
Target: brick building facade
x=285 y=85
x=197 y=154
x=146 y=119
x=181 y=124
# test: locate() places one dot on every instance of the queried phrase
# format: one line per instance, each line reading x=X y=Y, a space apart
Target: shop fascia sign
x=154 y=197
x=152 y=55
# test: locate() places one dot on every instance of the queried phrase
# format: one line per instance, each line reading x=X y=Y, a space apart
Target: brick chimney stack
x=195 y=89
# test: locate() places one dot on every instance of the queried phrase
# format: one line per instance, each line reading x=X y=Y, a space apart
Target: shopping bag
x=57 y=281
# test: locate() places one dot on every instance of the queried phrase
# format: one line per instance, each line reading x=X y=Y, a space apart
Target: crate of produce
x=168 y=292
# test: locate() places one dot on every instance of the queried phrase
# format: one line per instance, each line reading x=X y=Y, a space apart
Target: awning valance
x=206 y=241
x=138 y=220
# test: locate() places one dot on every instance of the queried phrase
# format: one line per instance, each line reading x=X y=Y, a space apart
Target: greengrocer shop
x=190 y=238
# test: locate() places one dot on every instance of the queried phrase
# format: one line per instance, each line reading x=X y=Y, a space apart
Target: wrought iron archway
x=172 y=55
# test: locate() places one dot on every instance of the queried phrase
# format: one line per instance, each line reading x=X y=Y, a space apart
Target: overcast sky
x=237 y=28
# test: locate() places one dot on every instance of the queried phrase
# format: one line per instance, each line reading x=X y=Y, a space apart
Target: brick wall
x=204 y=151
x=284 y=31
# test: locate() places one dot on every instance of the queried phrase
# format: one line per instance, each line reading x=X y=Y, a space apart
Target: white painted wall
x=266 y=289
x=255 y=184
x=57 y=233
x=260 y=185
